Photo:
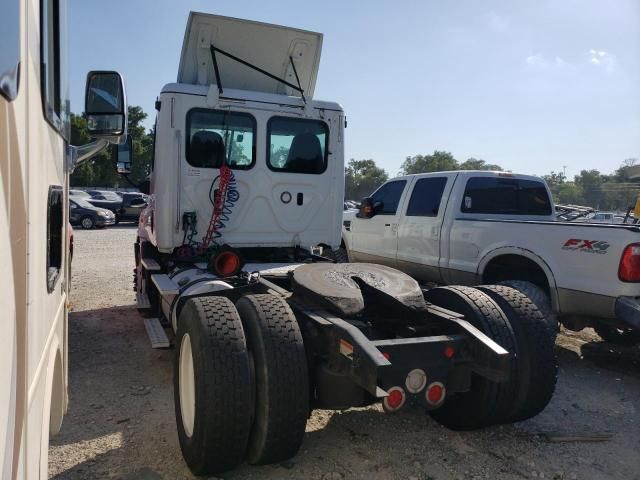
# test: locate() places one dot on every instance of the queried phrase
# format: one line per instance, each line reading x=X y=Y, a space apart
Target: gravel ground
x=121 y=424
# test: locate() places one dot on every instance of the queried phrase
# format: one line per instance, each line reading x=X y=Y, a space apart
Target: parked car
x=484 y=227
x=105 y=199
x=79 y=194
x=132 y=204
x=605 y=217
x=88 y=216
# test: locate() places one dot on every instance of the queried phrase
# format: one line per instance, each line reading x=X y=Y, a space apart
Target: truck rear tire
x=487 y=402
x=212 y=386
x=281 y=378
x=539 y=297
x=536 y=356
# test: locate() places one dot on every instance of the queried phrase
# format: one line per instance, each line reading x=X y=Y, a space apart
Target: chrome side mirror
x=122 y=156
x=106 y=105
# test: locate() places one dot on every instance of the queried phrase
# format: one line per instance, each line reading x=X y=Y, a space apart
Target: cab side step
x=156 y=333
x=150 y=264
x=165 y=285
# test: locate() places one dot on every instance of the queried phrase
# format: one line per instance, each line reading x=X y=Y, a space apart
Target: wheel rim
x=187 y=386
x=87 y=223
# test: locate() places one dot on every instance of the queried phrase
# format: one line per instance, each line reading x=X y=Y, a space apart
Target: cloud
x=602 y=59
x=541 y=62
x=496 y=23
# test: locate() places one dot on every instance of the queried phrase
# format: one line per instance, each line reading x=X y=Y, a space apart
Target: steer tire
x=536 y=357
x=338 y=255
x=281 y=378
x=538 y=296
x=487 y=402
x=214 y=388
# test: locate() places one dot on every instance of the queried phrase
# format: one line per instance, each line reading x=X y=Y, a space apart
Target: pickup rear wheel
x=338 y=255
x=212 y=386
x=281 y=378
x=487 y=402
x=536 y=356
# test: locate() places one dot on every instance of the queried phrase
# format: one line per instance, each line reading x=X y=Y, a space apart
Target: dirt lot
x=120 y=422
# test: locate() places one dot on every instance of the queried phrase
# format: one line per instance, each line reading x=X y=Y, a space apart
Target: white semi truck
x=35 y=162
x=246 y=194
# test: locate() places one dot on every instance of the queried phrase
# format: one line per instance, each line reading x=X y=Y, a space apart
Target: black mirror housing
x=122 y=156
x=106 y=104
x=367 y=209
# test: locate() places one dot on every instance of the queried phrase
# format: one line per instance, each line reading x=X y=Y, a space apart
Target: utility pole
x=564 y=171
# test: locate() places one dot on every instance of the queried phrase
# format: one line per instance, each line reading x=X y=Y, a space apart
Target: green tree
x=437 y=162
x=478 y=164
x=362 y=177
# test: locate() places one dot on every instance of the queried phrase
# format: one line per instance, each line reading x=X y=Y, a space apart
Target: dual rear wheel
x=241 y=385
x=513 y=321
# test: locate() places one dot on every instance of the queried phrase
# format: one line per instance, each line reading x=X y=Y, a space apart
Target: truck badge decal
x=586 y=246
x=346 y=349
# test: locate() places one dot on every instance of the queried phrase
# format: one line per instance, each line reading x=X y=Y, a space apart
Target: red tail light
x=629 y=270
x=395 y=400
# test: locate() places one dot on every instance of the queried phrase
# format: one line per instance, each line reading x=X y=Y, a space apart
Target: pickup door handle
x=387 y=224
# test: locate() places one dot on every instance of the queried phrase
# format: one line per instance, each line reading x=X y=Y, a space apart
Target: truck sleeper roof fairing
x=266 y=46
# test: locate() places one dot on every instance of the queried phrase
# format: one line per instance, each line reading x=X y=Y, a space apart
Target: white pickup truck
x=472 y=227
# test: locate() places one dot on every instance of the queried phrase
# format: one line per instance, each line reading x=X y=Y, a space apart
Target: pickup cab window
x=389 y=195
x=426 y=197
x=506 y=196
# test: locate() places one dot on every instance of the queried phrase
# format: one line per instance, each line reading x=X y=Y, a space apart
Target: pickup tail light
x=629 y=270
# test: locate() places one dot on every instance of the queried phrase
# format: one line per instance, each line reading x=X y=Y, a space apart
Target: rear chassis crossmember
x=376 y=365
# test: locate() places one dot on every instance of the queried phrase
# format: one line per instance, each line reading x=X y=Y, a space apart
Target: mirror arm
x=78 y=154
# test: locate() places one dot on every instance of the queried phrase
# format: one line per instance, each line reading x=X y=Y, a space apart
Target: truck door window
x=426 y=197
x=54 y=236
x=297 y=145
x=53 y=65
x=389 y=195
x=10 y=51
x=215 y=136
x=506 y=196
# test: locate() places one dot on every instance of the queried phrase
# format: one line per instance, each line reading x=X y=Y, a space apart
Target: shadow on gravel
x=613 y=357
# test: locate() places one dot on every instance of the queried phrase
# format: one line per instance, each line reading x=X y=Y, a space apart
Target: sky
x=532 y=85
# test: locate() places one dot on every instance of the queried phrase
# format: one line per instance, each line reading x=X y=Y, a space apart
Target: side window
x=55 y=236
x=297 y=145
x=10 y=50
x=506 y=196
x=216 y=136
x=53 y=65
x=389 y=195
x=426 y=197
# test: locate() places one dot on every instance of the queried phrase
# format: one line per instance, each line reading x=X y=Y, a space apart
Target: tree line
x=615 y=191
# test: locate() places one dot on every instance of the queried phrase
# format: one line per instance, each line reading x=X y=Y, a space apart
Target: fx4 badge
x=586 y=246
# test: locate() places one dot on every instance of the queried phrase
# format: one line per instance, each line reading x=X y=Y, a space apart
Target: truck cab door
x=375 y=239
x=420 y=227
